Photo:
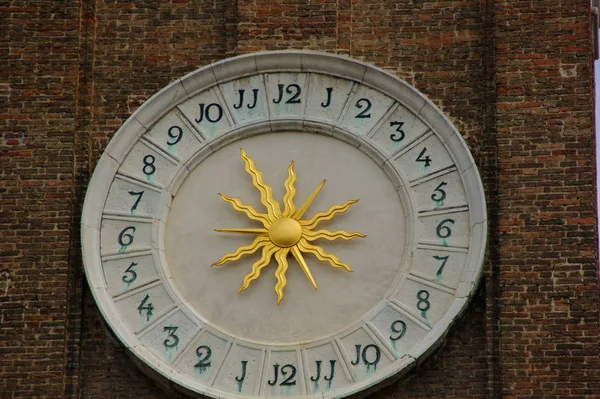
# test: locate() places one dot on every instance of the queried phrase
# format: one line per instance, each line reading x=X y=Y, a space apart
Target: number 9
x=400 y=331
x=177 y=137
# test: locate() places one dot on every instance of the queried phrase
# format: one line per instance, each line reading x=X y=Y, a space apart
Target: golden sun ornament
x=284 y=232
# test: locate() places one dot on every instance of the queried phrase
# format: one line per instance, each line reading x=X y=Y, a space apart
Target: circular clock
x=283 y=224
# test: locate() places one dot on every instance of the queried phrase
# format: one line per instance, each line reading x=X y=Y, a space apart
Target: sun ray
x=247 y=209
x=330 y=235
x=243 y=250
x=333 y=260
x=300 y=212
x=265 y=259
x=300 y=259
x=266 y=194
x=327 y=215
x=281 y=258
x=254 y=232
x=290 y=192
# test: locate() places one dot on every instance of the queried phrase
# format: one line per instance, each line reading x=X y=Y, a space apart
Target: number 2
x=363 y=114
x=203 y=359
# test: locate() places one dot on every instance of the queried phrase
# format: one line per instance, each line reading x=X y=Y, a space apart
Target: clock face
x=283 y=224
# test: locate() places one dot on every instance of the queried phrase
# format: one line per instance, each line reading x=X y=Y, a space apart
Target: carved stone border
x=280 y=61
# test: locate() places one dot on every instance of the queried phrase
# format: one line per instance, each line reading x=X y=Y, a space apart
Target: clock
x=283 y=224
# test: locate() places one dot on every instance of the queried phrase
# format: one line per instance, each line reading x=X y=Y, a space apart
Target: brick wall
x=514 y=76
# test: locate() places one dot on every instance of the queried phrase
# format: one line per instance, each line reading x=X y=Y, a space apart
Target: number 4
x=148 y=308
x=426 y=160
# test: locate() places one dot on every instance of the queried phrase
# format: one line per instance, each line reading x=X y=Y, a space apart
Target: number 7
x=139 y=194
x=444 y=259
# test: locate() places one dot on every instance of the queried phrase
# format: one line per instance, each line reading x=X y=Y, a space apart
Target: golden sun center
x=285 y=232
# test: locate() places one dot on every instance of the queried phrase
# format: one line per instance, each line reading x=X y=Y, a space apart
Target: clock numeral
x=137 y=201
x=284 y=371
x=439 y=194
x=241 y=378
x=204 y=354
x=359 y=104
x=326 y=103
x=426 y=160
x=293 y=90
x=443 y=231
x=364 y=355
x=444 y=259
x=254 y=101
x=205 y=112
x=176 y=137
x=399 y=137
x=398 y=327
x=149 y=167
x=125 y=238
x=132 y=274
x=172 y=339
x=423 y=302
x=327 y=378
x=148 y=308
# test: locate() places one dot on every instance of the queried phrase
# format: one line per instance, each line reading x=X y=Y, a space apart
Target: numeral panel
x=170 y=336
x=286 y=94
x=446 y=229
x=241 y=370
x=173 y=135
x=364 y=354
x=132 y=198
x=426 y=302
x=283 y=374
x=125 y=235
x=399 y=129
x=441 y=265
x=443 y=191
x=327 y=98
x=424 y=157
x=398 y=330
x=324 y=368
x=204 y=356
x=149 y=165
x=245 y=99
x=207 y=113
x=364 y=110
x=125 y=273
x=144 y=307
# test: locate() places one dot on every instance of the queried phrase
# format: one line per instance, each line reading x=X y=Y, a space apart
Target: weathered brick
x=515 y=77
